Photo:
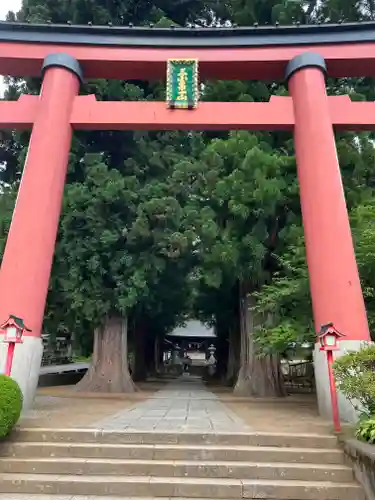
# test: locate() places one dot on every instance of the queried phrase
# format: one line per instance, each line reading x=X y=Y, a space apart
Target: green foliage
x=147 y=213
x=131 y=237
x=287 y=297
x=102 y=11
x=7 y=200
x=366 y=430
x=120 y=201
x=363 y=224
x=274 y=262
x=285 y=336
x=10 y=404
x=241 y=196
x=355 y=377
x=287 y=300
x=241 y=188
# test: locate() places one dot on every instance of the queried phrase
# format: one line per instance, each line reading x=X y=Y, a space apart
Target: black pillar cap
x=305 y=60
x=61 y=60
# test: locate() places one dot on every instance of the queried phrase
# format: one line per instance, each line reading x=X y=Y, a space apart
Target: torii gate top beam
x=255 y=53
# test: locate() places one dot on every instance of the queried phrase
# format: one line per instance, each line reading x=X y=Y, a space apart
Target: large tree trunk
x=221 y=356
x=150 y=355
x=140 y=369
x=109 y=370
x=259 y=377
x=157 y=354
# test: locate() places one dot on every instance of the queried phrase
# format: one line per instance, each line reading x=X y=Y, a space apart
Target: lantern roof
x=329 y=329
x=15 y=320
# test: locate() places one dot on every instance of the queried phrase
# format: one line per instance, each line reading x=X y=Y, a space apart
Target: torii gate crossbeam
x=65 y=55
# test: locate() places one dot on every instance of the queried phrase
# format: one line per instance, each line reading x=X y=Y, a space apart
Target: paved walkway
x=184 y=405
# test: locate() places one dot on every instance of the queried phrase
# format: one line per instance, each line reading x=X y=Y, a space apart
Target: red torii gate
x=64 y=55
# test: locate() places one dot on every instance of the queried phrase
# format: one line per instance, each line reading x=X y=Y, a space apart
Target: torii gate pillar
x=334 y=281
x=27 y=261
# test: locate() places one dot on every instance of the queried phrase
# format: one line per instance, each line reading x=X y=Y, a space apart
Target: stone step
x=20 y=496
x=169 y=468
x=17 y=496
x=127 y=437
x=171 y=452
x=178 y=487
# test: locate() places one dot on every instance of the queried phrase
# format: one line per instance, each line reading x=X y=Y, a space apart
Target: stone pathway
x=184 y=405
x=8 y=496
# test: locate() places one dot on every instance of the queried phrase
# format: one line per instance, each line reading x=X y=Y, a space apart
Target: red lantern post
x=328 y=337
x=13 y=330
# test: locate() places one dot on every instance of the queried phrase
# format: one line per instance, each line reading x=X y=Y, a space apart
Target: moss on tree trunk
x=233 y=357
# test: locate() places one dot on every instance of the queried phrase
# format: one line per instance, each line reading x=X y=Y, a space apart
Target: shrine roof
x=236 y=37
x=193 y=329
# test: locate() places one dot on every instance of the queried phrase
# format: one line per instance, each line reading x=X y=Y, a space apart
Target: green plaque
x=182 y=83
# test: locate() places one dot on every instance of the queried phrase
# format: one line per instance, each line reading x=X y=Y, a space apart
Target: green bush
x=10 y=404
x=355 y=377
x=366 y=430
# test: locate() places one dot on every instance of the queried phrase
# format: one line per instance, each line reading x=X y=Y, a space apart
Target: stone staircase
x=184 y=465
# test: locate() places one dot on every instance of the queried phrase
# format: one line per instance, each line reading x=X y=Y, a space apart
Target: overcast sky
x=5 y=7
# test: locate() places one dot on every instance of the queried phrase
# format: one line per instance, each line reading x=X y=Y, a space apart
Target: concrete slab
x=185 y=405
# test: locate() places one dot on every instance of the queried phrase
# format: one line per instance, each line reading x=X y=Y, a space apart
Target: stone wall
x=56 y=351
x=361 y=456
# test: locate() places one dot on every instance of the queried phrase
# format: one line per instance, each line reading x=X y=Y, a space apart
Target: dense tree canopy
x=172 y=224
